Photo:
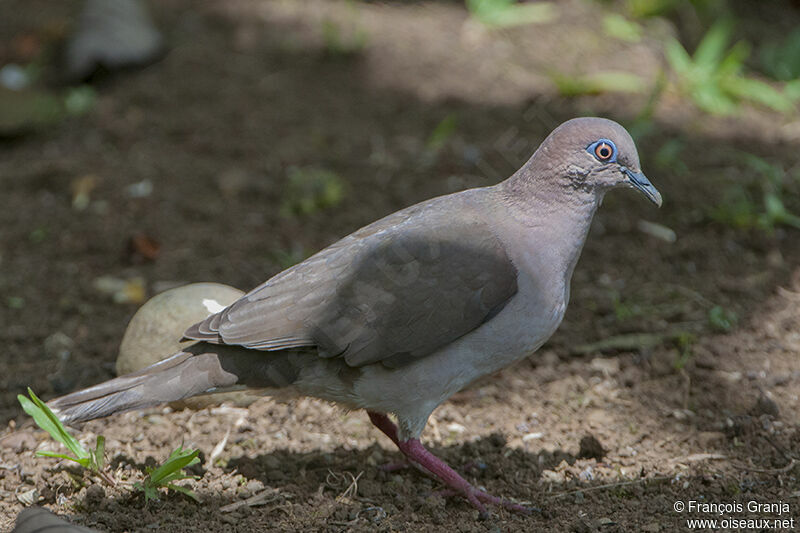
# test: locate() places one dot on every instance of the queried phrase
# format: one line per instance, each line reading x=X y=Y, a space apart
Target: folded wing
x=392 y=292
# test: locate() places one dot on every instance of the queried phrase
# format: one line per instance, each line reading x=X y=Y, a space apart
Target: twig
x=609 y=486
x=781 y=450
x=781 y=470
x=259 y=499
x=107 y=478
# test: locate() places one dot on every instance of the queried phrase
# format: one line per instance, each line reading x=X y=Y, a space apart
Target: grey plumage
x=391 y=292
x=408 y=310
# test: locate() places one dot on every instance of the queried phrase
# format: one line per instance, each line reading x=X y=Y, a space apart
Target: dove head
x=592 y=155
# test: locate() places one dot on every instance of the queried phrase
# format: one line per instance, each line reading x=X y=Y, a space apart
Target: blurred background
x=145 y=145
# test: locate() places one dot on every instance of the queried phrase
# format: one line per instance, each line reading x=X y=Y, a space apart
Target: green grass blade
x=82 y=462
x=184 y=490
x=759 y=92
x=507 y=13
x=176 y=476
x=49 y=422
x=618 y=27
x=442 y=132
x=598 y=83
x=677 y=57
x=98 y=454
x=709 y=52
x=734 y=60
x=177 y=460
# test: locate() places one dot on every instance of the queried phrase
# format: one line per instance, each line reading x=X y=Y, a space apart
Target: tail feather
x=179 y=376
x=199 y=369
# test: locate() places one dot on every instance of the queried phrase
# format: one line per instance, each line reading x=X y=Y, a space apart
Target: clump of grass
x=741 y=209
x=624 y=310
x=311 y=189
x=722 y=319
x=164 y=476
x=92 y=460
x=507 y=13
x=442 y=133
x=601 y=82
x=781 y=60
x=618 y=27
x=340 y=43
x=712 y=77
x=685 y=343
x=670 y=157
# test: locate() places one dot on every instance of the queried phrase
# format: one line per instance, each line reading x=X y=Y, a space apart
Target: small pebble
x=766 y=406
x=254 y=486
x=590 y=448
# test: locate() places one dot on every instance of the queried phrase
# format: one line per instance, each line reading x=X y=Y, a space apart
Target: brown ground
x=249 y=90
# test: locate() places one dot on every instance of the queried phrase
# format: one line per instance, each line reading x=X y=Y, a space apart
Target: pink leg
x=415 y=451
x=419 y=455
x=383 y=423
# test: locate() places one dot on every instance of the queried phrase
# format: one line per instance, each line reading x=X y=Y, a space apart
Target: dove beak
x=640 y=181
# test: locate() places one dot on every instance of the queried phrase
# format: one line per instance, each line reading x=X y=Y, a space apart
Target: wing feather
x=391 y=292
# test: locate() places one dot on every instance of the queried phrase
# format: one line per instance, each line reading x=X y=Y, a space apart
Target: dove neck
x=565 y=201
x=552 y=210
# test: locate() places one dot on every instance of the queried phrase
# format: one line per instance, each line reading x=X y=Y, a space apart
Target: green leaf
x=782 y=60
x=177 y=460
x=601 y=82
x=442 y=132
x=712 y=46
x=150 y=492
x=711 y=98
x=677 y=57
x=759 y=92
x=184 y=490
x=650 y=8
x=79 y=100
x=98 y=454
x=721 y=319
x=507 y=13
x=48 y=421
x=617 y=26
x=83 y=462
x=167 y=473
x=734 y=60
x=792 y=90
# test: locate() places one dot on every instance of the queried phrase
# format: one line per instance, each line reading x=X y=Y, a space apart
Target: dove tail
x=199 y=369
x=177 y=377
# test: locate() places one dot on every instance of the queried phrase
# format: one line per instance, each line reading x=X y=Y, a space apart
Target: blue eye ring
x=603 y=150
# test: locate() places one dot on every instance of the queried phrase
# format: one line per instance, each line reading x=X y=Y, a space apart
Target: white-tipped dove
x=408 y=310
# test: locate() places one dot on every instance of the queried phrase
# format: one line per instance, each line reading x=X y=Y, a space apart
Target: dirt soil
x=636 y=403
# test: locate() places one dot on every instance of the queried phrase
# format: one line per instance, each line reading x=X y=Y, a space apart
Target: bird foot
x=474 y=493
x=417 y=453
x=419 y=456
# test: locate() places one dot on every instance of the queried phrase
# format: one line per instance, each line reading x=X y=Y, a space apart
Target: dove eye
x=604 y=150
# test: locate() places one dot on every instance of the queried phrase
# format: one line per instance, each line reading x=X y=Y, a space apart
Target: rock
x=766 y=406
x=590 y=448
x=155 y=331
x=111 y=35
